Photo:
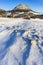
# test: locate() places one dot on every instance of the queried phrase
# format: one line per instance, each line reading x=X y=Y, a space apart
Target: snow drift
x=21 y=41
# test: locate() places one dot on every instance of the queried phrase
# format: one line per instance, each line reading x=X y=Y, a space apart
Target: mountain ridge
x=21 y=10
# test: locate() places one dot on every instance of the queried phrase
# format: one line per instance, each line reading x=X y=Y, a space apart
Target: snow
x=21 y=41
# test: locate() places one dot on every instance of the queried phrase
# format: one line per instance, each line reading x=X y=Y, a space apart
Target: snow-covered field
x=21 y=41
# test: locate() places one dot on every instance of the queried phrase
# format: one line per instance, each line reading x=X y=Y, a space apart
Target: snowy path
x=21 y=42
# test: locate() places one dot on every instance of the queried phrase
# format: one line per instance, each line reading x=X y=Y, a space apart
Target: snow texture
x=21 y=41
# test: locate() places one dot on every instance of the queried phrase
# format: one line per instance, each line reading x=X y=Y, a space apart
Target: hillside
x=2 y=12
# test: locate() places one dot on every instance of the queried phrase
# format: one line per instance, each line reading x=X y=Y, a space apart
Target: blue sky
x=36 y=5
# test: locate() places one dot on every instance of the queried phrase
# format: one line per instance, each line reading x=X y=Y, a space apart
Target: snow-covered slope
x=21 y=41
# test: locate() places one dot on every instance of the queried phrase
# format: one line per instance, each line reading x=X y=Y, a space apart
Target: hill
x=2 y=12
x=20 y=11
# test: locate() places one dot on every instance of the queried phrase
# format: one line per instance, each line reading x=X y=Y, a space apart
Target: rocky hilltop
x=22 y=7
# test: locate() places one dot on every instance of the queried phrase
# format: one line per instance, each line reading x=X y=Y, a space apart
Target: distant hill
x=19 y=11
x=2 y=12
x=22 y=10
